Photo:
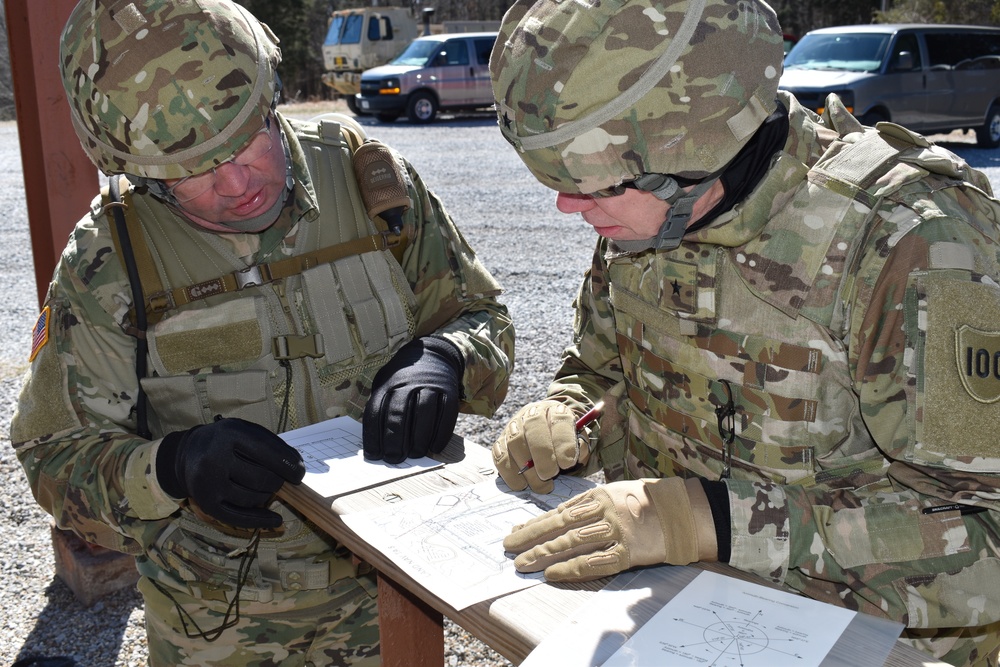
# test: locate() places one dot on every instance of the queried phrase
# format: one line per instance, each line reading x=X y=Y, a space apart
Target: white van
x=928 y=78
x=435 y=72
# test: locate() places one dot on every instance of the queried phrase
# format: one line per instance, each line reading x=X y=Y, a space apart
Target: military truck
x=360 y=39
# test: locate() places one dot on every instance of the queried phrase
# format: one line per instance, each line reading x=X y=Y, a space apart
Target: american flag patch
x=40 y=335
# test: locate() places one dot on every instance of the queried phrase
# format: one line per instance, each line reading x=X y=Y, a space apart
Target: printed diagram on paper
x=335 y=461
x=452 y=542
x=724 y=622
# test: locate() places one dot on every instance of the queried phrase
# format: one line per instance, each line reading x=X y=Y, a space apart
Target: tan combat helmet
x=164 y=90
x=594 y=94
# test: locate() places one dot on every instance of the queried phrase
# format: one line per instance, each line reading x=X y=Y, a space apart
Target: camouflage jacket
x=831 y=349
x=74 y=430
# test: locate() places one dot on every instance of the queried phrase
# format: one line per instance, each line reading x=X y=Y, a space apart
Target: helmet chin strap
x=678 y=215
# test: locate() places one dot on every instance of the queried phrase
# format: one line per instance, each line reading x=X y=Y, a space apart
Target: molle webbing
x=159 y=301
x=260 y=274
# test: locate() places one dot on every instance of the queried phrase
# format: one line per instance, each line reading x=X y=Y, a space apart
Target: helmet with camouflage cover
x=165 y=90
x=596 y=94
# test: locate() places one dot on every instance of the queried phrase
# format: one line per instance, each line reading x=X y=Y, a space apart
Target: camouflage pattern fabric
x=336 y=627
x=74 y=427
x=851 y=330
x=200 y=77
x=579 y=89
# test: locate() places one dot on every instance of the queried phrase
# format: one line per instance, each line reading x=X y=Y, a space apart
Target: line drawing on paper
x=452 y=542
x=733 y=641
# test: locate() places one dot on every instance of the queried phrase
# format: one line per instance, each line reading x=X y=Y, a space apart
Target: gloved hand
x=611 y=528
x=230 y=468
x=414 y=403
x=544 y=433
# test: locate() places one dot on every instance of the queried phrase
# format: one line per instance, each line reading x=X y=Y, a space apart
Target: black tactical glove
x=230 y=468
x=414 y=401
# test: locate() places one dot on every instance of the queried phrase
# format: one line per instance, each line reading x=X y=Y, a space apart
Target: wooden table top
x=511 y=624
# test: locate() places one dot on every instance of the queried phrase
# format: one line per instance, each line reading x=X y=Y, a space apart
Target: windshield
x=345 y=30
x=852 y=52
x=418 y=52
x=333 y=34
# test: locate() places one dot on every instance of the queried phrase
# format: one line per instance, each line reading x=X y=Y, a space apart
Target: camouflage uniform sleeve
x=456 y=299
x=861 y=537
x=591 y=368
x=73 y=429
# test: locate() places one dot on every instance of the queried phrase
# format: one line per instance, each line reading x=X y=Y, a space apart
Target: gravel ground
x=538 y=255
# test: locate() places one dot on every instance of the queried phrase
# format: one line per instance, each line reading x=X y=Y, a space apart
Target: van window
x=483 y=48
x=962 y=50
x=906 y=54
x=453 y=53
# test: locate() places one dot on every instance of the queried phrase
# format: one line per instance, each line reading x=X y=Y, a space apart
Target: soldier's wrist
x=717 y=495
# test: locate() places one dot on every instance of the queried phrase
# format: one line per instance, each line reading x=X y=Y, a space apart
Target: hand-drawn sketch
x=335 y=461
x=724 y=622
x=452 y=542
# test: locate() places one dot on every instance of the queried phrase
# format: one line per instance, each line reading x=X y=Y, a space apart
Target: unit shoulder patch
x=978 y=355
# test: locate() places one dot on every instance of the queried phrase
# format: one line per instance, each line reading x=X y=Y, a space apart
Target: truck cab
x=359 y=39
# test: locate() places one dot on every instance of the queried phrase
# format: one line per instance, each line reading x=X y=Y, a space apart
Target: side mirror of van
x=904 y=62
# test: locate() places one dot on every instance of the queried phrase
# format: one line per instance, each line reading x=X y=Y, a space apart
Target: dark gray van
x=928 y=78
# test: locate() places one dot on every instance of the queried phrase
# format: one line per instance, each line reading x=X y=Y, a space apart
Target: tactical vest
x=738 y=368
x=285 y=342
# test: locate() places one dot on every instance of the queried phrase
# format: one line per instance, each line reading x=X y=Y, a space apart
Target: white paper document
x=335 y=461
x=674 y=616
x=452 y=542
x=718 y=620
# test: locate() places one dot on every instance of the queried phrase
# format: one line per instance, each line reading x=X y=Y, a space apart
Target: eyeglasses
x=613 y=191
x=646 y=183
x=192 y=187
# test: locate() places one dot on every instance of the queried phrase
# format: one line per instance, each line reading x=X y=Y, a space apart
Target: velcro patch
x=40 y=334
x=958 y=386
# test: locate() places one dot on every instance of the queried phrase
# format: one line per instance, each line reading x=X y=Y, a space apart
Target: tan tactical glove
x=545 y=434
x=611 y=528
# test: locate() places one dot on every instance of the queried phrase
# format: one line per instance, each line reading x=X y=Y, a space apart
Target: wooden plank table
x=411 y=616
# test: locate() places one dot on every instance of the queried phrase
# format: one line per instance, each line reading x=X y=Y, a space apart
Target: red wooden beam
x=60 y=180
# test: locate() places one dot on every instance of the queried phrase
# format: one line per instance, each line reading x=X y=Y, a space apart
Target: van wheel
x=422 y=107
x=874 y=116
x=988 y=136
x=387 y=117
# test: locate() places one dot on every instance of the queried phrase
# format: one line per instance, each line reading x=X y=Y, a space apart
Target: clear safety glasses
x=192 y=187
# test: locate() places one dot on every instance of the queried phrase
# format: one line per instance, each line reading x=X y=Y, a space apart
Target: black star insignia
x=676 y=286
x=506 y=121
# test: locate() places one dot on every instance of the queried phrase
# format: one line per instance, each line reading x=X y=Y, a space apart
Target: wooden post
x=412 y=632
x=60 y=180
x=59 y=183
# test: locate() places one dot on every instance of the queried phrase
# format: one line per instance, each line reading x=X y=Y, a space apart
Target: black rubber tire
x=422 y=108
x=988 y=136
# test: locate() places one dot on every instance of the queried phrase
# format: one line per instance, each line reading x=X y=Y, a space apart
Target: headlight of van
x=846 y=96
x=389 y=87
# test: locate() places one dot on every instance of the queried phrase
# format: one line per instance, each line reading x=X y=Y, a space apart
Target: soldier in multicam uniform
x=180 y=97
x=793 y=320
